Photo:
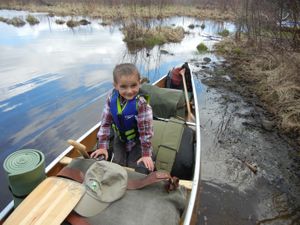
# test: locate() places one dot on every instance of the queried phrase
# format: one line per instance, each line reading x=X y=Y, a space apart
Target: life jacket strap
x=128 y=135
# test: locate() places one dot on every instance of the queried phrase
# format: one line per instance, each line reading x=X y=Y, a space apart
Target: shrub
x=191 y=26
x=4 y=20
x=173 y=34
x=202 y=47
x=154 y=40
x=142 y=37
x=224 y=33
x=60 y=22
x=237 y=51
x=84 y=22
x=51 y=14
x=32 y=20
x=73 y=23
x=17 y=22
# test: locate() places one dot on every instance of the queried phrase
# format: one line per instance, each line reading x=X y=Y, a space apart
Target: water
x=53 y=79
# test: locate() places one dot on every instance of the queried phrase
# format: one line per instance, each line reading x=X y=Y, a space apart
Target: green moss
x=202 y=47
x=154 y=40
x=32 y=20
x=237 y=51
x=224 y=33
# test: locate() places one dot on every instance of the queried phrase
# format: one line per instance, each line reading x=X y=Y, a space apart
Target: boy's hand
x=98 y=152
x=148 y=162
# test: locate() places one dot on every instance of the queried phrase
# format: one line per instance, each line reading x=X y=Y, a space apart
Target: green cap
x=105 y=183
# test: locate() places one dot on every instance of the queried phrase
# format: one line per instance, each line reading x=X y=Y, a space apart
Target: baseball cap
x=105 y=183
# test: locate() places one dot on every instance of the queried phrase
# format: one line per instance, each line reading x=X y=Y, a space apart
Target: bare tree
x=273 y=20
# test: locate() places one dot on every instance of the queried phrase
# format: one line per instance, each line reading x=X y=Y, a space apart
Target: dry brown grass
x=121 y=11
x=139 y=36
x=272 y=75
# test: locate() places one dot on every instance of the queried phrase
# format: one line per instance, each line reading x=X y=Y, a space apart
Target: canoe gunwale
x=196 y=179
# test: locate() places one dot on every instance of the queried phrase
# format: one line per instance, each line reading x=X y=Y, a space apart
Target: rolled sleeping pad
x=25 y=169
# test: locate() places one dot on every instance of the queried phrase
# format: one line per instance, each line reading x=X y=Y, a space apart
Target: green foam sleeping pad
x=25 y=169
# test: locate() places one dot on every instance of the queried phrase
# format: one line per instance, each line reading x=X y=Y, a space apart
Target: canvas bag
x=173 y=145
x=150 y=205
x=165 y=102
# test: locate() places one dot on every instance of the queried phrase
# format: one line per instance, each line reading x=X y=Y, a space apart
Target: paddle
x=80 y=148
x=49 y=203
x=191 y=117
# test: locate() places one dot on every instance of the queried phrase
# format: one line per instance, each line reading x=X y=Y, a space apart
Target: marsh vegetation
x=32 y=20
x=138 y=36
x=265 y=57
x=15 y=21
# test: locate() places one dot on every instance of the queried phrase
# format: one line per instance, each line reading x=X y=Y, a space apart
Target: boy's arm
x=145 y=126
x=106 y=121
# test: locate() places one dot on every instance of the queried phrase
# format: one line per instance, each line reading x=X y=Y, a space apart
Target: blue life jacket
x=124 y=118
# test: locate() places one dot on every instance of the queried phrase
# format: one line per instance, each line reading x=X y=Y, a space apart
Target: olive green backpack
x=173 y=145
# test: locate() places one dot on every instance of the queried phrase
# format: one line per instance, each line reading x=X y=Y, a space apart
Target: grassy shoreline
x=272 y=75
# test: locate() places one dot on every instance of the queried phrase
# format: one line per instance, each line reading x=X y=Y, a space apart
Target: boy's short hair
x=125 y=69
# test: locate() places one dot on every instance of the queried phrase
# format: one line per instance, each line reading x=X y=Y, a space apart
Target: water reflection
x=53 y=79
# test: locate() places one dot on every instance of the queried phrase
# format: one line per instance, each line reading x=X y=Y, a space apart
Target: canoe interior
x=90 y=140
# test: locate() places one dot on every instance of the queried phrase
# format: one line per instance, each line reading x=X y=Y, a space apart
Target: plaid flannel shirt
x=144 y=125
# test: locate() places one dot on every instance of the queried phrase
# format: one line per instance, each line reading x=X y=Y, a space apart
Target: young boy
x=131 y=118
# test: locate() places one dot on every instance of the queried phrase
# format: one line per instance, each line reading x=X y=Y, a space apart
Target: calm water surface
x=53 y=79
